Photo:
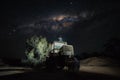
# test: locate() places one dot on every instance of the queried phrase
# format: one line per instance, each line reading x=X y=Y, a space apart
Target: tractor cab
x=57 y=45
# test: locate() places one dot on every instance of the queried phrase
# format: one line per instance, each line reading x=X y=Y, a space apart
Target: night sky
x=86 y=24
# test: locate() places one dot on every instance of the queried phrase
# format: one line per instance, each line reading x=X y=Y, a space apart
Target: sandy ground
x=112 y=71
x=13 y=70
x=5 y=73
x=85 y=73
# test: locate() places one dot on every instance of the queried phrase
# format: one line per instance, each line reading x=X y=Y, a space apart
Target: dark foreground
x=58 y=75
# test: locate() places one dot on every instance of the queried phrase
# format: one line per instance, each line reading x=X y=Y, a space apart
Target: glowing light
x=67 y=24
x=59 y=18
x=62 y=21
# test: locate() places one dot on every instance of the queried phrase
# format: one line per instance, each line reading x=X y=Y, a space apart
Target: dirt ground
x=85 y=73
x=113 y=71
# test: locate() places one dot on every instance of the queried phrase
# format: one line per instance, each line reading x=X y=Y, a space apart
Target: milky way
x=54 y=23
x=87 y=24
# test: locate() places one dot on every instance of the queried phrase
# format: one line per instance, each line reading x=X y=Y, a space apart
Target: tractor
x=62 y=57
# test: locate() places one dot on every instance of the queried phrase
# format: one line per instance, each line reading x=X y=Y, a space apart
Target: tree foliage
x=37 y=50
